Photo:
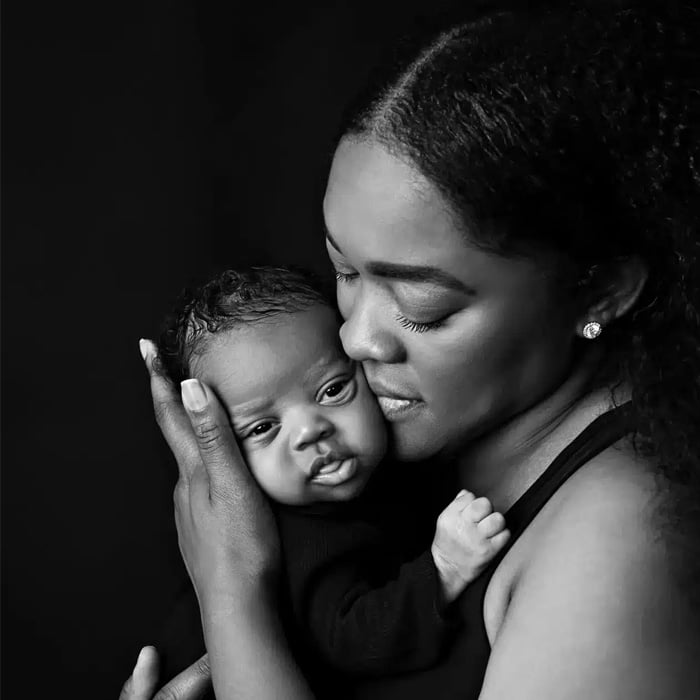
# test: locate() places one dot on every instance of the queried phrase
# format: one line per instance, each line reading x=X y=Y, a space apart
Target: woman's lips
x=394 y=404
x=395 y=408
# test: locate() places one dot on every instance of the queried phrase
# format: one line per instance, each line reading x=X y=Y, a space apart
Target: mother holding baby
x=512 y=214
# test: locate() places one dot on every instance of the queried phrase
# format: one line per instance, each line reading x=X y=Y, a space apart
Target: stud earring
x=592 y=330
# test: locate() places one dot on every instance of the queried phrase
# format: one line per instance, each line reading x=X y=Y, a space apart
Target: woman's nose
x=364 y=337
x=311 y=430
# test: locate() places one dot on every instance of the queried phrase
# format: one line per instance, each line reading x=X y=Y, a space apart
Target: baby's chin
x=343 y=492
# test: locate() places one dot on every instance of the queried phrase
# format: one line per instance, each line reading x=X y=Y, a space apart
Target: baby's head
x=266 y=341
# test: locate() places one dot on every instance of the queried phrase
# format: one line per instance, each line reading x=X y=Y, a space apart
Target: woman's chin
x=411 y=443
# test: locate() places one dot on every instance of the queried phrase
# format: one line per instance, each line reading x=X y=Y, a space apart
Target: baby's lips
x=338 y=472
x=330 y=467
x=327 y=463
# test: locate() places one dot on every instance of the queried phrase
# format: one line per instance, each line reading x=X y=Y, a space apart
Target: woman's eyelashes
x=404 y=321
x=345 y=276
x=418 y=326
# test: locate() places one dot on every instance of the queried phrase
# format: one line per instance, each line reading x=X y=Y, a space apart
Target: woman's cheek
x=344 y=295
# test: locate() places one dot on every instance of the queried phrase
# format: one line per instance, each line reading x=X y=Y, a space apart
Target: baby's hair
x=232 y=299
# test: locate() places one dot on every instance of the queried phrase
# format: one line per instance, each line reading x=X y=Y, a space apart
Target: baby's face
x=308 y=425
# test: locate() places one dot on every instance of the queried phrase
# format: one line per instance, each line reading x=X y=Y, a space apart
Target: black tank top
x=461 y=672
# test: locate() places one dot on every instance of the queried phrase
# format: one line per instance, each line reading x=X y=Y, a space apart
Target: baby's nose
x=312 y=431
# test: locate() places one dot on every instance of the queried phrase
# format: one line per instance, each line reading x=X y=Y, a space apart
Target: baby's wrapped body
x=361 y=595
x=360 y=601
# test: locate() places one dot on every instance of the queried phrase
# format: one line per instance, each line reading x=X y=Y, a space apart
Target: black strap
x=604 y=431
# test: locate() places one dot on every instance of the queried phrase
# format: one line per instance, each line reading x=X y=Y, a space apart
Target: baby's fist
x=468 y=536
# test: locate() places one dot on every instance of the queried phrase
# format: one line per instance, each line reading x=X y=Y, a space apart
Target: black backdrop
x=144 y=143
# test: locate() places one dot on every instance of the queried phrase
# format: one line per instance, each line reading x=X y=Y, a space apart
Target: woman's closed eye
x=346 y=277
x=420 y=326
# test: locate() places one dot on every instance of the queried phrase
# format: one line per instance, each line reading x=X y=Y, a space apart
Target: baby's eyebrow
x=321 y=367
x=250 y=409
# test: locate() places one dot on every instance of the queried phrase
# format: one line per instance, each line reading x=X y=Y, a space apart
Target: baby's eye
x=335 y=389
x=338 y=391
x=260 y=429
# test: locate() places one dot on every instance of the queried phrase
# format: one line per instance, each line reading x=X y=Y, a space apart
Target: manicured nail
x=144 y=348
x=141 y=657
x=193 y=395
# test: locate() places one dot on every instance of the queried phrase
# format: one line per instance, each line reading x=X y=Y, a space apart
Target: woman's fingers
x=142 y=683
x=218 y=450
x=170 y=414
x=191 y=684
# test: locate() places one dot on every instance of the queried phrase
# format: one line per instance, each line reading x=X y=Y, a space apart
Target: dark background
x=144 y=144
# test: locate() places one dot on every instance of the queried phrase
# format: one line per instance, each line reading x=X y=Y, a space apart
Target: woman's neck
x=506 y=461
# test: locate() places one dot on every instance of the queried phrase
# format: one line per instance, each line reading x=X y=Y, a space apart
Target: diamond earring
x=592 y=330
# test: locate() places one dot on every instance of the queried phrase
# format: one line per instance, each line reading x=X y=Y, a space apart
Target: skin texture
x=293 y=396
x=504 y=339
x=230 y=547
x=586 y=591
x=584 y=604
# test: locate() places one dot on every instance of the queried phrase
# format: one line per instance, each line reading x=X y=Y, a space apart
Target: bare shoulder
x=591 y=600
x=616 y=487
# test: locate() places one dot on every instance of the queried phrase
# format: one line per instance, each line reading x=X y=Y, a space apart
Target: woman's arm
x=596 y=612
x=248 y=652
x=229 y=544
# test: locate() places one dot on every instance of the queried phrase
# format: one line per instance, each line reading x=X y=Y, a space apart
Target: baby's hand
x=468 y=535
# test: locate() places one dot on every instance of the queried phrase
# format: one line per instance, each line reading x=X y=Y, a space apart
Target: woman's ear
x=610 y=291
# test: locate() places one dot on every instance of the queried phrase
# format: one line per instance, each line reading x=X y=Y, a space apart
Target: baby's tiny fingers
x=499 y=540
x=478 y=509
x=491 y=525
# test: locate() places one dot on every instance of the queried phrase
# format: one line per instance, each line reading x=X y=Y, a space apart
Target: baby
x=266 y=341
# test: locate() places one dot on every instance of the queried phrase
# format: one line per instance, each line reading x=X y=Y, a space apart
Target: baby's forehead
x=277 y=355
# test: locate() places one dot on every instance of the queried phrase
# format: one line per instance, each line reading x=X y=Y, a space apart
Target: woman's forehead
x=376 y=201
x=381 y=213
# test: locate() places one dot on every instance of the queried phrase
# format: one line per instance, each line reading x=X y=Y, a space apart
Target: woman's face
x=453 y=340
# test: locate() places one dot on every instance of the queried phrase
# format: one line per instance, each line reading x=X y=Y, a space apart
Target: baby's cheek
x=371 y=429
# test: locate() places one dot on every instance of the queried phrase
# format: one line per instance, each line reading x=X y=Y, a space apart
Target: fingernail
x=140 y=658
x=144 y=348
x=461 y=493
x=193 y=395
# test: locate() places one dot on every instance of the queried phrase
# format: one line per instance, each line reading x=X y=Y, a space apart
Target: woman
x=511 y=215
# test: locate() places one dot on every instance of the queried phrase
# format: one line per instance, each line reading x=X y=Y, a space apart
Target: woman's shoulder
x=589 y=589
x=608 y=511
x=603 y=511
x=616 y=484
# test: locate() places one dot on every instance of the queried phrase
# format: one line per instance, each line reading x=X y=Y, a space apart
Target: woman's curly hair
x=231 y=299
x=576 y=131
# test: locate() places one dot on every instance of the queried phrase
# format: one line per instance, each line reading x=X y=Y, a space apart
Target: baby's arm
x=468 y=536
x=360 y=609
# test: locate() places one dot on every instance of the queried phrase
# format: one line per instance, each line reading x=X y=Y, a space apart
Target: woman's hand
x=226 y=531
x=229 y=542
x=191 y=684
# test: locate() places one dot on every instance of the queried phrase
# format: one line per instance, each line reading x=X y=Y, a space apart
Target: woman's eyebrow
x=331 y=240
x=418 y=273
x=411 y=273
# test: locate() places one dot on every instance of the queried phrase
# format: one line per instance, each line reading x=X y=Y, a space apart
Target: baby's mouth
x=332 y=468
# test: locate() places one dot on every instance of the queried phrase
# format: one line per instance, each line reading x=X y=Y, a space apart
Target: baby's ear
x=612 y=289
